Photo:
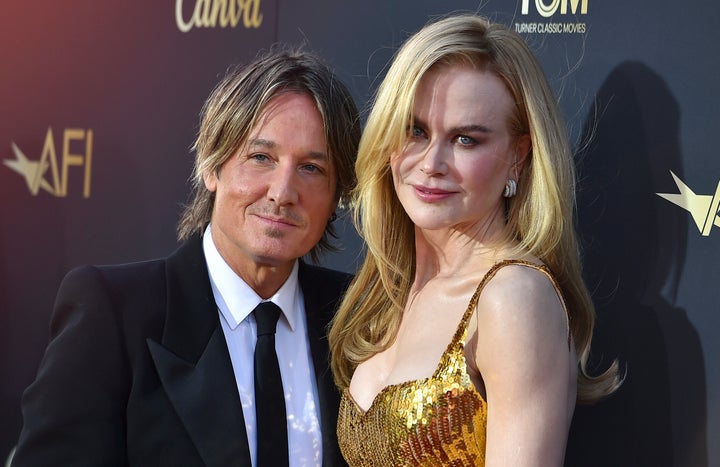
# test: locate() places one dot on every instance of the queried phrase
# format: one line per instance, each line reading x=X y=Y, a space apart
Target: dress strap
x=462 y=327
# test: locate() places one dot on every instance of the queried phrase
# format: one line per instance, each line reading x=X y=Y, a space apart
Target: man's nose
x=282 y=189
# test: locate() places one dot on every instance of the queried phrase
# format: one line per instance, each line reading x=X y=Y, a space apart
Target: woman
x=464 y=338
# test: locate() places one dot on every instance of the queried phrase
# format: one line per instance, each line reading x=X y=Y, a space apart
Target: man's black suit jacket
x=137 y=371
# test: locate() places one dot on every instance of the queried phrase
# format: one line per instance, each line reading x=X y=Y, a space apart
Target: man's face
x=274 y=196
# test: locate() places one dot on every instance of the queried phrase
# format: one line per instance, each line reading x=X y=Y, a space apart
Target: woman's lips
x=430 y=195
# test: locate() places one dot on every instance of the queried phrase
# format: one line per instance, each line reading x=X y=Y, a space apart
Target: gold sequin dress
x=436 y=421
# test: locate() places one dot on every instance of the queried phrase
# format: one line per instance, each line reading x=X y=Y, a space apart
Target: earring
x=510 y=188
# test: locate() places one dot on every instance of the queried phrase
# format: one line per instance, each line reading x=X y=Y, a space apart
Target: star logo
x=704 y=209
x=52 y=174
x=33 y=171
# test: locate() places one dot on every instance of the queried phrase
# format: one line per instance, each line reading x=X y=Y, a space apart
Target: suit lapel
x=194 y=365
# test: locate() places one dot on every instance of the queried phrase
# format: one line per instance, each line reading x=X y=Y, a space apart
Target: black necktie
x=272 y=440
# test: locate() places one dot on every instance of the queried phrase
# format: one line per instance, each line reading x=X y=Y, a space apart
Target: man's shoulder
x=145 y=271
x=323 y=286
x=319 y=273
x=117 y=282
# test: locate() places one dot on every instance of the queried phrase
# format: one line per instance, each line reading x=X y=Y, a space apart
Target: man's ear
x=523 y=146
x=210 y=177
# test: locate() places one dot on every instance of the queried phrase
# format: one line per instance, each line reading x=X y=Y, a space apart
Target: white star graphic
x=702 y=208
x=32 y=170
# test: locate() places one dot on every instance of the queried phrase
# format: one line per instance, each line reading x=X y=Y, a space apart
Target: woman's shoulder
x=521 y=311
x=519 y=276
x=520 y=288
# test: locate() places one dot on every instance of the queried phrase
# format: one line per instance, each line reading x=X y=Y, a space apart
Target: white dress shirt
x=236 y=301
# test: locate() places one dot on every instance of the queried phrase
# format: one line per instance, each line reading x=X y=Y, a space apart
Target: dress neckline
x=458 y=337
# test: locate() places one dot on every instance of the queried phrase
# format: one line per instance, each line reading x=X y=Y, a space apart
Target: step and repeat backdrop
x=99 y=105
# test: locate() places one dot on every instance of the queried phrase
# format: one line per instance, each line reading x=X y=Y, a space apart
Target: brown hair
x=231 y=110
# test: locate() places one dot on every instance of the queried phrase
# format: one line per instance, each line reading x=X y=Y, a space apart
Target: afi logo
x=704 y=209
x=34 y=171
x=548 y=10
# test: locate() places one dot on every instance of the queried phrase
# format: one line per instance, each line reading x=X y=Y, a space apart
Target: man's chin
x=276 y=257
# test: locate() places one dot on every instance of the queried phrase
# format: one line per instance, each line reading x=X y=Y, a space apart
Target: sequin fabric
x=436 y=421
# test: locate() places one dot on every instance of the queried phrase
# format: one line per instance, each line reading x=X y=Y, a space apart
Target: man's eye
x=259 y=157
x=312 y=168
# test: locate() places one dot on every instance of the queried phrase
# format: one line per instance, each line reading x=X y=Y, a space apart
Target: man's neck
x=264 y=279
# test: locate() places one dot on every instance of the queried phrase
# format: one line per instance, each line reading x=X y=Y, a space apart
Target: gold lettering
x=76 y=159
x=233 y=17
x=181 y=24
x=573 y=6
x=88 y=163
x=549 y=10
x=202 y=14
x=222 y=13
x=255 y=20
x=47 y=152
x=546 y=10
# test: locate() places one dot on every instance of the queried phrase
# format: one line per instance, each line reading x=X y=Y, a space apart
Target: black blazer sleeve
x=74 y=412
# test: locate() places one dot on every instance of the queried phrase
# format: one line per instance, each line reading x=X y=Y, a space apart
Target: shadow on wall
x=634 y=247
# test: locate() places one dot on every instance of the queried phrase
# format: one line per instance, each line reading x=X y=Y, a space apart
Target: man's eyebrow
x=260 y=142
x=269 y=144
x=315 y=155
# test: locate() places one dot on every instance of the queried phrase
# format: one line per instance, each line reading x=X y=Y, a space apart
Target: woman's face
x=460 y=152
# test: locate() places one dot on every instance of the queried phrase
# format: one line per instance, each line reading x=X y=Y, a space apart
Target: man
x=152 y=363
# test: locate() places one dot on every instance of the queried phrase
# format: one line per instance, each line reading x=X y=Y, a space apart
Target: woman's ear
x=523 y=146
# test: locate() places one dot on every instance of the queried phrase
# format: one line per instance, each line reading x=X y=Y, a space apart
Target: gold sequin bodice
x=435 y=421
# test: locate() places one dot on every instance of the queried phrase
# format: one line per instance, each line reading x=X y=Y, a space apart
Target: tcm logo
x=547 y=9
x=35 y=171
x=222 y=13
x=704 y=209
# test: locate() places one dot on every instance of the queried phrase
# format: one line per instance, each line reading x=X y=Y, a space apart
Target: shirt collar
x=236 y=299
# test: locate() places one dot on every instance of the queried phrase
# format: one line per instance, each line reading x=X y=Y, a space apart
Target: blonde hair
x=539 y=218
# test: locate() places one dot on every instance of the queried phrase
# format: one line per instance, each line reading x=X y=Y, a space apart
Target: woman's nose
x=434 y=160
